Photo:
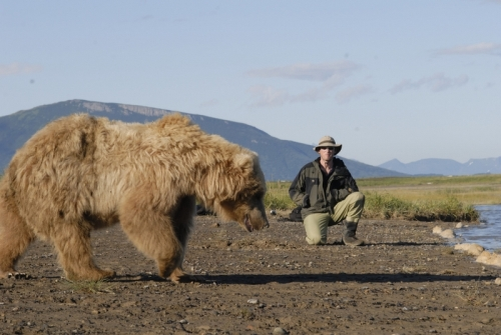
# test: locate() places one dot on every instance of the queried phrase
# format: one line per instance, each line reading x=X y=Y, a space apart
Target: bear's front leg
x=160 y=231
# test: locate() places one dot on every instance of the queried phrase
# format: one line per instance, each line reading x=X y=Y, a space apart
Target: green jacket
x=307 y=189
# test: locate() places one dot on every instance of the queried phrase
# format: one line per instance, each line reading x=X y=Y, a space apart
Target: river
x=488 y=232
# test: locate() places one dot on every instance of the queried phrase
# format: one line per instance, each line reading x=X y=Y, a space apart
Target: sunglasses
x=326 y=148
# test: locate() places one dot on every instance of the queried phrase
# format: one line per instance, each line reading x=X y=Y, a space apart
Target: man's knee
x=315 y=226
x=315 y=240
x=357 y=197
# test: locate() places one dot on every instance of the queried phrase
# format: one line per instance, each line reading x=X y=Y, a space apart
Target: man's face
x=326 y=153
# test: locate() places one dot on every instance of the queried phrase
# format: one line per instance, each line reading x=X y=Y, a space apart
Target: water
x=488 y=232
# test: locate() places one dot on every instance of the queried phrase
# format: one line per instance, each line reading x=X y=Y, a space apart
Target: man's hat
x=327 y=141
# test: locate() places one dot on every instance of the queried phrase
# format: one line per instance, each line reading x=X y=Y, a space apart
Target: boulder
x=489 y=259
x=470 y=248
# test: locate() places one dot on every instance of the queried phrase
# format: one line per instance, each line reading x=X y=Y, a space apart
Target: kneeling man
x=328 y=195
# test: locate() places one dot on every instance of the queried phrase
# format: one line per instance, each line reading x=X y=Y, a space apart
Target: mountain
x=447 y=167
x=280 y=159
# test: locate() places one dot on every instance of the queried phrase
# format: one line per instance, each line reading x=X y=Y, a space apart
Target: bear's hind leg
x=72 y=242
x=15 y=236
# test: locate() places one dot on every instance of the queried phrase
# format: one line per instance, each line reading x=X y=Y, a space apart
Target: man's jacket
x=307 y=189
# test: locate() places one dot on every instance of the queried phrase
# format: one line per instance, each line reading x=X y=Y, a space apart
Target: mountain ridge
x=442 y=166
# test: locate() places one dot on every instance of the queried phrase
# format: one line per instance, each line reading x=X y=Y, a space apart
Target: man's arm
x=297 y=191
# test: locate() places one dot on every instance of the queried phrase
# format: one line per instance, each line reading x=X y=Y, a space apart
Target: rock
x=437 y=230
x=448 y=233
x=459 y=225
x=489 y=259
x=252 y=301
x=470 y=248
x=279 y=331
x=497 y=281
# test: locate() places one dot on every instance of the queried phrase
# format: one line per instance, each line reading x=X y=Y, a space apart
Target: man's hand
x=306 y=201
x=342 y=194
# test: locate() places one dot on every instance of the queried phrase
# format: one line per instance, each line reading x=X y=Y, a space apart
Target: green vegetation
x=473 y=190
x=277 y=196
x=386 y=206
x=413 y=198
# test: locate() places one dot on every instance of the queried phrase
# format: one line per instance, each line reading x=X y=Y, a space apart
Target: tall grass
x=386 y=206
x=277 y=196
x=474 y=190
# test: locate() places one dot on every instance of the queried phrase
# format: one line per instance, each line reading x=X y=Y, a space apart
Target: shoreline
x=478 y=251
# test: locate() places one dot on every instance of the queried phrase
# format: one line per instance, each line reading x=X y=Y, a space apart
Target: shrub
x=449 y=209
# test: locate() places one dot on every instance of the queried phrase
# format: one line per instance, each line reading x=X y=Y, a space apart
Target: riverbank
x=405 y=280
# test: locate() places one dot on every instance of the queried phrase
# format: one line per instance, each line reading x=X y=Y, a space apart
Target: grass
x=386 y=206
x=413 y=198
x=473 y=190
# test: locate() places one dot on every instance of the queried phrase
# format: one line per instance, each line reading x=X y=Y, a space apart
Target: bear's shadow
x=262 y=279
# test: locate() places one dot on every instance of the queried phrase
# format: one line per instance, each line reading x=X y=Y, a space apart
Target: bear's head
x=245 y=201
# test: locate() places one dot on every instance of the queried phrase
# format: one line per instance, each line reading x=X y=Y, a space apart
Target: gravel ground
x=405 y=280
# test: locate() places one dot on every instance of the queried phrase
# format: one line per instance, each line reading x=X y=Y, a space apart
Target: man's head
x=328 y=144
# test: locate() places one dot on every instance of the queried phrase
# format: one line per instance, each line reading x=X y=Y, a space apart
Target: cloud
x=327 y=76
x=311 y=95
x=17 y=68
x=353 y=92
x=436 y=83
x=305 y=71
x=265 y=96
x=479 y=48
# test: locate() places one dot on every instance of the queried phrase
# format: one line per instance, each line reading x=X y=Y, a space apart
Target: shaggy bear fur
x=80 y=173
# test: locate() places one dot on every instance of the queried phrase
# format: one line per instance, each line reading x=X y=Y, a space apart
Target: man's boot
x=349 y=238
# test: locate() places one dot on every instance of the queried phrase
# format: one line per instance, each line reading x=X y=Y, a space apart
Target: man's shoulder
x=309 y=165
x=338 y=162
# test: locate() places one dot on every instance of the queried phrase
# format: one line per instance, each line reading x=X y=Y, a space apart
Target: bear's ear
x=247 y=163
x=175 y=119
x=243 y=161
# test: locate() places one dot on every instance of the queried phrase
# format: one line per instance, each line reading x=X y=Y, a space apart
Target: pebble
x=437 y=230
x=497 y=281
x=447 y=233
x=252 y=301
x=279 y=331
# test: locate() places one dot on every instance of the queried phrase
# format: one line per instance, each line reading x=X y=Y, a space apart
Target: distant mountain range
x=280 y=159
x=446 y=167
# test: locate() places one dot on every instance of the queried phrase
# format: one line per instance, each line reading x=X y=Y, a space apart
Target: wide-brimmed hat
x=327 y=141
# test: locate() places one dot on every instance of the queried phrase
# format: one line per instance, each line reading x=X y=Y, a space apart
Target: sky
x=388 y=79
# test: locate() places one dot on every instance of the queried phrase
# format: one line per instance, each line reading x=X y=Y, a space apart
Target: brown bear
x=80 y=173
